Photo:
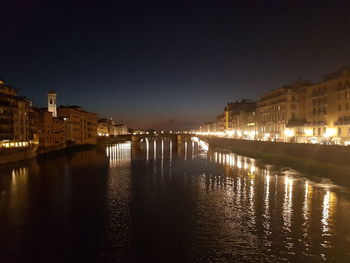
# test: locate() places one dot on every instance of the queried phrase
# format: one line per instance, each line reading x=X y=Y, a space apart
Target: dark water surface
x=167 y=202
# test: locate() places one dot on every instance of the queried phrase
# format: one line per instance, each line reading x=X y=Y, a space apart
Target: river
x=161 y=201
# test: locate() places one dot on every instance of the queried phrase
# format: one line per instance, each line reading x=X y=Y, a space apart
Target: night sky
x=155 y=64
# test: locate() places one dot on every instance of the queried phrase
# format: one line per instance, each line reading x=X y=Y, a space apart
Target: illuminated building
x=328 y=110
x=106 y=127
x=241 y=119
x=48 y=130
x=302 y=112
x=281 y=110
x=120 y=129
x=80 y=126
x=103 y=127
x=15 y=122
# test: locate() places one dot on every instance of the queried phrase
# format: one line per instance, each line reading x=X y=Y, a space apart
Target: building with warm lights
x=120 y=129
x=302 y=112
x=80 y=126
x=48 y=130
x=15 y=122
x=103 y=127
x=328 y=108
x=240 y=119
x=281 y=110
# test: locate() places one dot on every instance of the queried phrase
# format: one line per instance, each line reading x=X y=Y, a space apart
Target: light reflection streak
x=245 y=164
x=170 y=156
x=307 y=191
x=162 y=160
x=192 y=151
x=239 y=162
x=147 y=149
x=154 y=150
x=252 y=203
x=327 y=209
x=119 y=153
x=238 y=190
x=287 y=203
x=266 y=214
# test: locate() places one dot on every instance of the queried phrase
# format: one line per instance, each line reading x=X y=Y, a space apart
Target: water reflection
x=248 y=176
x=119 y=153
x=164 y=197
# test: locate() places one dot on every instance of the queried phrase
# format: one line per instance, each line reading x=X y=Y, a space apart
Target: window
x=50 y=101
x=339 y=131
x=339 y=107
x=319 y=131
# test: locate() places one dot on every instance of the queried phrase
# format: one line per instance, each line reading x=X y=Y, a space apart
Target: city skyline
x=168 y=66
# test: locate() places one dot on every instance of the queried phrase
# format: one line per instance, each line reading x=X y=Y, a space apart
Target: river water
x=160 y=201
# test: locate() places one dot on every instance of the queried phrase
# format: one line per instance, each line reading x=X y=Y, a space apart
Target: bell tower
x=51 y=102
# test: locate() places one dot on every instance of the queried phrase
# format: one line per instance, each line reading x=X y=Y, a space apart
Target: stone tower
x=51 y=102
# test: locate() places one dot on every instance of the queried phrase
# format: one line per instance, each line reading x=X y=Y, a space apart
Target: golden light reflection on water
x=266 y=213
x=287 y=203
x=288 y=193
x=283 y=214
x=119 y=153
x=328 y=208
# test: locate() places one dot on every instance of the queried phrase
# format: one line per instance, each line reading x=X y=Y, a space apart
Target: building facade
x=282 y=111
x=15 y=123
x=120 y=129
x=107 y=127
x=48 y=130
x=103 y=127
x=80 y=126
x=328 y=109
x=240 y=118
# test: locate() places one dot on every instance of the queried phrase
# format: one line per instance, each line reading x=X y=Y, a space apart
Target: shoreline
x=332 y=166
x=16 y=155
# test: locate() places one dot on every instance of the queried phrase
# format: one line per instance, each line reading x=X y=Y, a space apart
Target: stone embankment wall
x=329 y=161
x=16 y=154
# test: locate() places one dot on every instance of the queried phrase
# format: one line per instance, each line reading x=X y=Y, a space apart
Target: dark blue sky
x=146 y=63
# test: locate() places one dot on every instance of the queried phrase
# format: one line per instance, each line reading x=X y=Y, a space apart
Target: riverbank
x=13 y=155
x=10 y=155
x=67 y=150
x=329 y=161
